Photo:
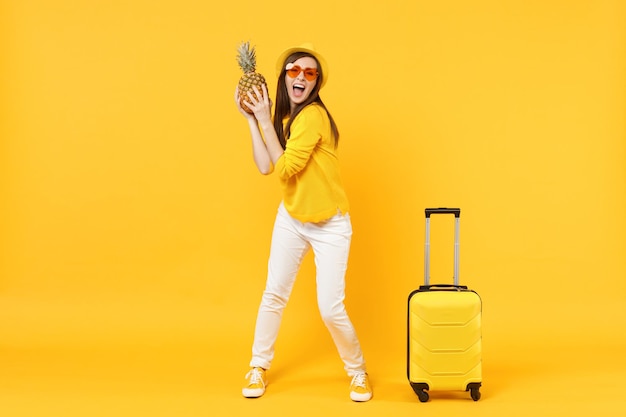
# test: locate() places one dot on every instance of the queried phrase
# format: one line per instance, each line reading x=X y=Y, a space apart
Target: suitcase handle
x=443 y=210
x=457 y=219
x=443 y=286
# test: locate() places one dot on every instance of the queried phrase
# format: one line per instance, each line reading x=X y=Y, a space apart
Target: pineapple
x=246 y=58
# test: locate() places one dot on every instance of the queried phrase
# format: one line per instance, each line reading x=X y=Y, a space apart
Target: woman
x=300 y=145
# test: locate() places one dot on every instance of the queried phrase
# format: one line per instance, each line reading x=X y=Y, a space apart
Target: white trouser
x=291 y=240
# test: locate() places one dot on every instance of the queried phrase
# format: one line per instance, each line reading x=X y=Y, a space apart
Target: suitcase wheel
x=475 y=393
x=421 y=390
x=423 y=396
x=474 y=390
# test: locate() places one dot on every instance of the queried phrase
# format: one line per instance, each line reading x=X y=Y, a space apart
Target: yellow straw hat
x=308 y=48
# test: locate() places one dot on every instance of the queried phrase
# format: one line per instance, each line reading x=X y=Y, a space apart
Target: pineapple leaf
x=246 y=57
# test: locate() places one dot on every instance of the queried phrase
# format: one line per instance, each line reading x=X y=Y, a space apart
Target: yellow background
x=135 y=228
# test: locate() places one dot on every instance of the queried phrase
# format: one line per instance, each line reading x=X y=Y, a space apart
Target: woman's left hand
x=261 y=105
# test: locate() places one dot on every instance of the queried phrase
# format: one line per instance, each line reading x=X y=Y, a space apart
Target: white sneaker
x=255 y=384
x=360 y=388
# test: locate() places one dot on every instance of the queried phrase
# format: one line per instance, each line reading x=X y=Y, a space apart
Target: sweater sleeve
x=306 y=132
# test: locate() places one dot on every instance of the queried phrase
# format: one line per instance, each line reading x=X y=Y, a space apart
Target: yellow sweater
x=309 y=169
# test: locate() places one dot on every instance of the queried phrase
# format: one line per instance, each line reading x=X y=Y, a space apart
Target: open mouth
x=298 y=90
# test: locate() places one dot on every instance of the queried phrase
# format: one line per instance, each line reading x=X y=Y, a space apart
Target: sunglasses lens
x=310 y=74
x=293 y=71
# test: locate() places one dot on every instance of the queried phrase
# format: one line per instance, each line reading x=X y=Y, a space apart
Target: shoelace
x=359 y=380
x=255 y=376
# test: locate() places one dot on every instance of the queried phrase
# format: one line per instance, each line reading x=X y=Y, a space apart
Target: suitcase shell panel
x=444 y=346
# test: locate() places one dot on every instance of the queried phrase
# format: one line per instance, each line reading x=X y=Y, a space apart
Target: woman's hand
x=261 y=107
x=241 y=110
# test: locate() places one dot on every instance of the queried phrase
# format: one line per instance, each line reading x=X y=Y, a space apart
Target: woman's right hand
x=241 y=110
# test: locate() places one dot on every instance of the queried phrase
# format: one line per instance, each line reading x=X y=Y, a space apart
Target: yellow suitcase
x=444 y=330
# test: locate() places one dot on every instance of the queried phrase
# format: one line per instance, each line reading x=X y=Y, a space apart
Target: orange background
x=134 y=228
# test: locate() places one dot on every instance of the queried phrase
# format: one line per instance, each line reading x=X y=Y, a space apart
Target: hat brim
x=308 y=48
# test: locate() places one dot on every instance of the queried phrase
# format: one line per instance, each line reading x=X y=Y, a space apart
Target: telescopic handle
x=443 y=210
x=457 y=218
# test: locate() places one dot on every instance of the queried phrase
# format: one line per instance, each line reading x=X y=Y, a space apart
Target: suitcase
x=444 y=329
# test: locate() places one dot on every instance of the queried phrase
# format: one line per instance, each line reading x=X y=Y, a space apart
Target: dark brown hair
x=283 y=106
